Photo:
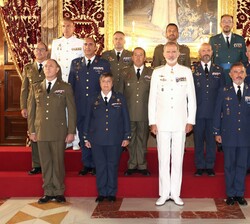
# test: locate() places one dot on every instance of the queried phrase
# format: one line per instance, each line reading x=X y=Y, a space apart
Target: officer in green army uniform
x=136 y=79
x=119 y=58
x=172 y=34
x=33 y=73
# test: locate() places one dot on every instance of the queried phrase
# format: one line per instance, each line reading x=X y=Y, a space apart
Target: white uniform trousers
x=170 y=145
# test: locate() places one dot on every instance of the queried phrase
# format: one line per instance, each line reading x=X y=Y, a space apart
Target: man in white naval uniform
x=172 y=109
x=64 y=50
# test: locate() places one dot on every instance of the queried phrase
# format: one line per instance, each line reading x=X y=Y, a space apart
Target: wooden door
x=13 y=127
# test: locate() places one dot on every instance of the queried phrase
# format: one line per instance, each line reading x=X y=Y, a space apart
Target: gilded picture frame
x=114 y=20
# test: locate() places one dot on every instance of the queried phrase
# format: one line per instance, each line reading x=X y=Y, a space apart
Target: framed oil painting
x=144 y=21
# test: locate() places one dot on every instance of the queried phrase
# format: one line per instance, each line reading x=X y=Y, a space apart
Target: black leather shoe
x=230 y=201
x=210 y=172
x=60 y=199
x=198 y=172
x=100 y=198
x=219 y=147
x=35 y=170
x=111 y=198
x=84 y=171
x=145 y=172
x=45 y=199
x=93 y=171
x=240 y=200
x=129 y=172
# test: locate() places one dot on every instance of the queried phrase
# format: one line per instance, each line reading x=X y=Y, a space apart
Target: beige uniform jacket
x=184 y=58
x=137 y=92
x=47 y=112
x=117 y=66
x=30 y=76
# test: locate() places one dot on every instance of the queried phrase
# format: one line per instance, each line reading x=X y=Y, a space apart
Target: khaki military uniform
x=31 y=75
x=136 y=93
x=47 y=119
x=117 y=66
x=184 y=58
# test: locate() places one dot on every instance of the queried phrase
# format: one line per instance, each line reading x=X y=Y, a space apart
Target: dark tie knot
x=49 y=87
x=118 y=55
x=89 y=61
x=206 y=70
x=106 y=100
x=40 y=67
x=239 y=94
x=138 y=73
x=228 y=43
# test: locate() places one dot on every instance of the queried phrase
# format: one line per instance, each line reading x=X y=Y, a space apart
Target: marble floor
x=123 y=211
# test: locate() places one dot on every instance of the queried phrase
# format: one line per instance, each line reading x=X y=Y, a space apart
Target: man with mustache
x=208 y=79
x=172 y=34
x=231 y=129
x=227 y=46
x=171 y=110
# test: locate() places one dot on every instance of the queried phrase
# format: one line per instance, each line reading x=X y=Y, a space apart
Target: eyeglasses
x=40 y=49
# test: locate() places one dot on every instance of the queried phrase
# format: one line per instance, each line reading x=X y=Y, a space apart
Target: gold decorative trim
x=60 y=16
x=113 y=20
x=6 y=36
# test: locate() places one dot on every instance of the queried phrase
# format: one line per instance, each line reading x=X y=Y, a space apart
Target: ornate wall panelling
x=88 y=16
x=243 y=19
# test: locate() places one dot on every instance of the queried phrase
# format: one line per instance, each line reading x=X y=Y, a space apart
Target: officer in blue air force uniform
x=228 y=47
x=106 y=131
x=231 y=128
x=84 y=79
x=208 y=79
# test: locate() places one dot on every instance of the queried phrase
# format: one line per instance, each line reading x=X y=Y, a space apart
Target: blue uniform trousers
x=203 y=136
x=107 y=160
x=235 y=167
x=87 y=158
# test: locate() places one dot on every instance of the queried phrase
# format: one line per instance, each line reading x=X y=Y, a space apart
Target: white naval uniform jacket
x=64 y=50
x=172 y=100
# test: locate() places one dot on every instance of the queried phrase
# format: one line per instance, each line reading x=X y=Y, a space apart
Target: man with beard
x=171 y=109
x=208 y=79
x=231 y=129
x=228 y=47
x=172 y=34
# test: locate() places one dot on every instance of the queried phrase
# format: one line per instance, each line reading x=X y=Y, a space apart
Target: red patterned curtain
x=88 y=16
x=21 y=21
x=243 y=18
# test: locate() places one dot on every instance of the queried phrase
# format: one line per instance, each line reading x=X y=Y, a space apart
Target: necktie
x=118 y=56
x=40 y=68
x=239 y=94
x=228 y=44
x=106 y=100
x=206 y=70
x=138 y=73
x=88 y=64
x=49 y=86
